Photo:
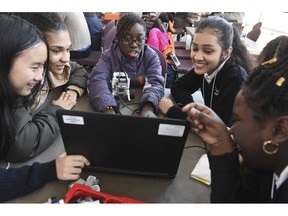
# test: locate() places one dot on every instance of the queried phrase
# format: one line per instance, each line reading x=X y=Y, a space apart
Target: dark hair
x=16 y=35
x=163 y=17
x=275 y=48
x=46 y=22
x=227 y=36
x=159 y=24
x=126 y=22
x=266 y=90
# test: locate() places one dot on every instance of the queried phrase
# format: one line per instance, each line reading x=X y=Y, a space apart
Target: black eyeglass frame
x=128 y=41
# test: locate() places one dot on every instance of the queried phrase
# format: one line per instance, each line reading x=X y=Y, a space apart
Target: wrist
x=109 y=108
x=73 y=90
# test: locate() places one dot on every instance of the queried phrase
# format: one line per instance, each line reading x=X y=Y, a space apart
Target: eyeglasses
x=129 y=40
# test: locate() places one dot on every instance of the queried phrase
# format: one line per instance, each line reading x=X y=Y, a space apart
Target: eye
x=234 y=121
x=55 y=51
x=208 y=51
x=140 y=39
x=127 y=38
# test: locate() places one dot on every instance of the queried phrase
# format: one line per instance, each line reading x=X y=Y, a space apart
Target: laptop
x=125 y=144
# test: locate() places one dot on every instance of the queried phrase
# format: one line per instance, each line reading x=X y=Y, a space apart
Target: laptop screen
x=125 y=144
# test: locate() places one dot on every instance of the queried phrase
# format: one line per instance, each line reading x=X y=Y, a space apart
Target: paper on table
x=202 y=172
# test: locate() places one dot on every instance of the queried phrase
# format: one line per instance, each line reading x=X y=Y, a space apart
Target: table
x=253 y=48
x=181 y=189
x=191 y=32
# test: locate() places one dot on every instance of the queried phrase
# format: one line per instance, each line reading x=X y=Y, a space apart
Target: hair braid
x=266 y=90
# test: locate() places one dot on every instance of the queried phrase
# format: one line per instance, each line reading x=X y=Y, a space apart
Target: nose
x=134 y=44
x=196 y=55
x=65 y=57
x=39 y=74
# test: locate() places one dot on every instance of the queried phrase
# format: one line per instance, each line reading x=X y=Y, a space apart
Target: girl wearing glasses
x=129 y=54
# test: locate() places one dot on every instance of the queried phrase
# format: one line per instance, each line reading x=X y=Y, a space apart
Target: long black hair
x=16 y=35
x=45 y=21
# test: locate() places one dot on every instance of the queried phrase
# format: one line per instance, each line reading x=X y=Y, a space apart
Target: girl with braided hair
x=259 y=133
x=274 y=48
x=129 y=54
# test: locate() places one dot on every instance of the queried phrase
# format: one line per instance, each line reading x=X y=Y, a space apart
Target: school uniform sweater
x=219 y=94
x=16 y=182
x=232 y=184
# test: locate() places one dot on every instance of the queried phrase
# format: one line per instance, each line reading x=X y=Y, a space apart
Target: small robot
x=121 y=85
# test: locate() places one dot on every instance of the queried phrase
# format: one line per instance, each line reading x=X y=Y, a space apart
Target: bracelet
x=108 y=108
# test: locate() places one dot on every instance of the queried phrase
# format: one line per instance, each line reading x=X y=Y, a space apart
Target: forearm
x=16 y=182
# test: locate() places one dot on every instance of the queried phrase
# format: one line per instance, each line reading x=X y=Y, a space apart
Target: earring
x=269 y=148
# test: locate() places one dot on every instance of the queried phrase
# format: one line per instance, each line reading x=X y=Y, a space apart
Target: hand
x=73 y=94
x=148 y=111
x=165 y=104
x=65 y=101
x=207 y=124
x=70 y=167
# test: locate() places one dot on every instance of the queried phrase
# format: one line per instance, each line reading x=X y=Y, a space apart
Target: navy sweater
x=16 y=182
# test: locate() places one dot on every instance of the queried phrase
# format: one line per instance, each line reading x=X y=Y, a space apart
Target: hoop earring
x=267 y=145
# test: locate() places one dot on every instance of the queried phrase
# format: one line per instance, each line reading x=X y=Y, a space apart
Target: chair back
x=163 y=63
x=108 y=27
x=108 y=40
x=90 y=60
x=255 y=32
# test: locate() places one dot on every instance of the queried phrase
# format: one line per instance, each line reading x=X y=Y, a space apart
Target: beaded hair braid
x=274 y=48
x=266 y=89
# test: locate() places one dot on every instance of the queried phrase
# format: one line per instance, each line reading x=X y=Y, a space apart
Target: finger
x=79 y=160
x=63 y=155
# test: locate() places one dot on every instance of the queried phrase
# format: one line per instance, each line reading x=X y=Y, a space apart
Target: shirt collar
x=208 y=77
x=283 y=176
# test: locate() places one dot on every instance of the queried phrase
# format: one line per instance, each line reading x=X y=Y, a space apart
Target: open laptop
x=125 y=144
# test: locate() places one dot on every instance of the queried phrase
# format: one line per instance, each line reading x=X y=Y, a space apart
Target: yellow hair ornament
x=280 y=81
x=270 y=61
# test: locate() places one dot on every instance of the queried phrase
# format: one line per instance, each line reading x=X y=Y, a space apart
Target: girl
x=220 y=64
x=128 y=54
x=260 y=130
x=23 y=56
x=69 y=77
x=277 y=47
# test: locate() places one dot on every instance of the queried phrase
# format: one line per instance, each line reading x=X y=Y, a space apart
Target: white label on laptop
x=171 y=130
x=77 y=120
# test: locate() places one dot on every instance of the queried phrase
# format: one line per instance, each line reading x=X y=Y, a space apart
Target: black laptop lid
x=126 y=144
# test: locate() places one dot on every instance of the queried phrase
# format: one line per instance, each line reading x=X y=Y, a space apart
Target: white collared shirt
x=278 y=181
x=208 y=77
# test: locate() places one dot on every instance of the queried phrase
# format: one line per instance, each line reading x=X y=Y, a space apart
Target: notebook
x=125 y=144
